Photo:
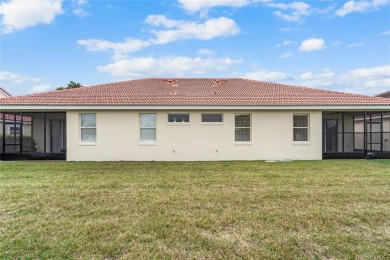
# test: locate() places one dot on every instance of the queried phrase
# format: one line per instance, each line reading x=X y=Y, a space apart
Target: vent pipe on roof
x=172 y=82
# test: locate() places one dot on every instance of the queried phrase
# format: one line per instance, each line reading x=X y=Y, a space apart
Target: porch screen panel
x=1 y=132
x=12 y=133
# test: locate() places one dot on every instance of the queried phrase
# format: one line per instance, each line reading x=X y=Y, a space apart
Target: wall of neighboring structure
x=26 y=128
x=118 y=138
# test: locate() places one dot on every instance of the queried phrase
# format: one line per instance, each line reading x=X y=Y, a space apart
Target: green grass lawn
x=192 y=210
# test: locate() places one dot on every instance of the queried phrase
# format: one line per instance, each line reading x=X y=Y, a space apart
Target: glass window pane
x=148 y=134
x=214 y=118
x=88 y=120
x=148 y=120
x=180 y=118
x=300 y=134
x=242 y=134
x=88 y=134
x=243 y=120
x=301 y=121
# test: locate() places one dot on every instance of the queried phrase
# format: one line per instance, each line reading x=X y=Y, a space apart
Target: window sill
x=87 y=143
x=147 y=143
x=212 y=124
x=301 y=143
x=242 y=143
x=178 y=124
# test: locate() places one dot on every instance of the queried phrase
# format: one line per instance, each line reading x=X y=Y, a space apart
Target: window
x=301 y=128
x=88 y=127
x=178 y=118
x=242 y=131
x=147 y=127
x=212 y=118
x=14 y=130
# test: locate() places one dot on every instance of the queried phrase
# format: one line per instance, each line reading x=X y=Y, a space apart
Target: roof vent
x=172 y=82
x=217 y=82
x=173 y=93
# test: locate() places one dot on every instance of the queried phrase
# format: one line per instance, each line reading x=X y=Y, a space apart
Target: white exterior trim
x=143 y=108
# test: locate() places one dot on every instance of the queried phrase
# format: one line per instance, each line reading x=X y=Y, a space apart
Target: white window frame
x=302 y=127
x=88 y=127
x=179 y=123
x=241 y=127
x=211 y=123
x=145 y=142
x=17 y=131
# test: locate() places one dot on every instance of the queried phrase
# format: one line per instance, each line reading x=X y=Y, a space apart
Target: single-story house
x=186 y=119
x=384 y=94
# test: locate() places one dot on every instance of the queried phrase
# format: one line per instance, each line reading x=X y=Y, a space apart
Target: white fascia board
x=95 y=108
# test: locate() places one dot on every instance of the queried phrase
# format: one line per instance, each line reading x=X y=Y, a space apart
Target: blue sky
x=336 y=45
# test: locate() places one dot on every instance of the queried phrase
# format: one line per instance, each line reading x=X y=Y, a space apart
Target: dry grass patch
x=192 y=210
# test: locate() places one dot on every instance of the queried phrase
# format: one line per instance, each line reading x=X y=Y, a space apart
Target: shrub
x=28 y=143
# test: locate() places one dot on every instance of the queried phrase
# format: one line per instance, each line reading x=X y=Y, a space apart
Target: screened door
x=373 y=136
x=57 y=136
x=331 y=133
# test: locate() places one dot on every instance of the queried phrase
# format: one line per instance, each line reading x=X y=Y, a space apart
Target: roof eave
x=32 y=108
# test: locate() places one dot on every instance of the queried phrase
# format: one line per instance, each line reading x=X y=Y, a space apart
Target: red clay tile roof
x=384 y=94
x=11 y=117
x=194 y=92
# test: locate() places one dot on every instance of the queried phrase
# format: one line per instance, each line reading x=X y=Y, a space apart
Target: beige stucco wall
x=118 y=138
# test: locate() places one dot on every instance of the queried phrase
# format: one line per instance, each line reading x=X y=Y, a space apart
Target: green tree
x=71 y=84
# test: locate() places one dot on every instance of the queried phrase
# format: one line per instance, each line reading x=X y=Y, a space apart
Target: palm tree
x=71 y=84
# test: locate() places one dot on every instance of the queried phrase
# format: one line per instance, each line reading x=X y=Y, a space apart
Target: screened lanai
x=356 y=134
x=32 y=135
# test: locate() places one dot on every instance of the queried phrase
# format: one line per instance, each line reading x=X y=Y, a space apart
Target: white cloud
x=385 y=33
x=203 y=5
x=284 y=43
x=40 y=88
x=313 y=44
x=325 y=78
x=357 y=44
x=8 y=76
x=368 y=81
x=162 y=20
x=371 y=73
x=129 y=45
x=205 y=52
x=80 y=7
x=270 y=76
x=181 y=30
x=166 y=66
x=285 y=55
x=20 y=14
x=360 y=6
x=296 y=10
x=174 y=30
